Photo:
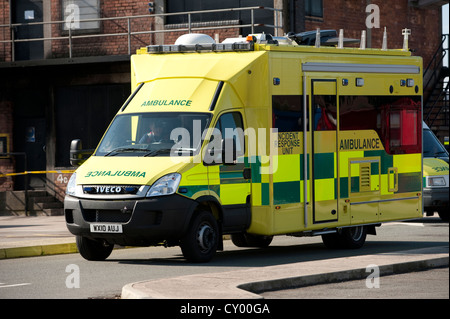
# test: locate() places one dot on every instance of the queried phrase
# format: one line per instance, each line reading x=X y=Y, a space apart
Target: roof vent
x=194 y=38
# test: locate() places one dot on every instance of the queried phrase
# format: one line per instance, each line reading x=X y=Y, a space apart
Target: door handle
x=393 y=179
x=247 y=173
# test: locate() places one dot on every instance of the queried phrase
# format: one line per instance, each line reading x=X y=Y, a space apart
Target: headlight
x=436 y=181
x=71 y=185
x=166 y=185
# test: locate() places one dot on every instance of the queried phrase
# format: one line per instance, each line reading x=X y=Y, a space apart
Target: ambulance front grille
x=105 y=216
x=110 y=189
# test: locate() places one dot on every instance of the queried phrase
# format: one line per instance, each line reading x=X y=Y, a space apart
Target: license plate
x=106 y=228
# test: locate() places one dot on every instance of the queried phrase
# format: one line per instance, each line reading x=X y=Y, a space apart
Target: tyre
x=331 y=241
x=92 y=249
x=200 y=242
x=443 y=214
x=351 y=238
x=354 y=237
x=249 y=240
x=239 y=240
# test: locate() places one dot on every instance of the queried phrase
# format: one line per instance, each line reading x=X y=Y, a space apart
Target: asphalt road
x=427 y=284
x=70 y=276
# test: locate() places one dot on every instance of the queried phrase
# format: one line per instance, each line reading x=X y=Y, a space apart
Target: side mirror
x=77 y=155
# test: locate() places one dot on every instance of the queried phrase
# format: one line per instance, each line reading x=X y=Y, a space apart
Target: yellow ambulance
x=253 y=137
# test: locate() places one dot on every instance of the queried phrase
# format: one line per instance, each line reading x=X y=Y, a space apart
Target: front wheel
x=351 y=237
x=201 y=241
x=92 y=249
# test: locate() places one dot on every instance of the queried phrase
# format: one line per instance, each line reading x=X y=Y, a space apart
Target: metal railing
x=129 y=33
x=432 y=70
x=435 y=77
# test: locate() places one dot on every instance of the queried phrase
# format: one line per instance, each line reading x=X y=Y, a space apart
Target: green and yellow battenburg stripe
x=224 y=182
x=354 y=174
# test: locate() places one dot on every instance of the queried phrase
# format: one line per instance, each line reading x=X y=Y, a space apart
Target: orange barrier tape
x=38 y=172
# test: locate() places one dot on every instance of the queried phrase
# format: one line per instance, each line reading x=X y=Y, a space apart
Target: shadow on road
x=279 y=255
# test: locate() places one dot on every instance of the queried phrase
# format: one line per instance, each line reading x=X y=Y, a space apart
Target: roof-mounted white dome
x=194 y=38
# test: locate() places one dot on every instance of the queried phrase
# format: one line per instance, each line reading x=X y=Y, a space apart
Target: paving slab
x=24 y=236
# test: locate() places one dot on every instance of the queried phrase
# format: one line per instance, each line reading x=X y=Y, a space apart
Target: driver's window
x=230 y=126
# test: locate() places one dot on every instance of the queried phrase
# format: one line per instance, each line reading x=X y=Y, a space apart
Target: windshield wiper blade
x=171 y=150
x=156 y=152
x=124 y=149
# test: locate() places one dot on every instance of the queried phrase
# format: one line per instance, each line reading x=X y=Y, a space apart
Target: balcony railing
x=124 y=26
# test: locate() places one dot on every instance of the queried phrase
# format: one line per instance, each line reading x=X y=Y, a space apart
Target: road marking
x=2 y=285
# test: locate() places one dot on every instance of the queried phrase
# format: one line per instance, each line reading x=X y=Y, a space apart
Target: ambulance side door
x=324 y=168
x=231 y=182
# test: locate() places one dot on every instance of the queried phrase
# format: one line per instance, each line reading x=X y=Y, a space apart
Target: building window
x=221 y=18
x=4 y=144
x=73 y=11
x=314 y=8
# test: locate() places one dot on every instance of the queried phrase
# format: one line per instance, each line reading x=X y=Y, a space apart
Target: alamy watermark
x=373 y=279
x=373 y=17
x=73 y=279
x=225 y=148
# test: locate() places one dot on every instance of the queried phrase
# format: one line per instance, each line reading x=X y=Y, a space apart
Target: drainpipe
x=368 y=30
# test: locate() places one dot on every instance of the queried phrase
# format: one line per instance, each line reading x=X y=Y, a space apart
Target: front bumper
x=435 y=199
x=144 y=222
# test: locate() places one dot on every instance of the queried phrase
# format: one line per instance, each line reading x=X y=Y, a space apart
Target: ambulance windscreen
x=432 y=147
x=154 y=134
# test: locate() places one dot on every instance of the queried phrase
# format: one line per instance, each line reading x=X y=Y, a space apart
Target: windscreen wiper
x=123 y=150
x=168 y=150
x=159 y=151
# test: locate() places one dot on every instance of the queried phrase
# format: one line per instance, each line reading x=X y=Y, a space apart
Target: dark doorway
x=84 y=112
x=30 y=138
x=30 y=134
x=25 y=12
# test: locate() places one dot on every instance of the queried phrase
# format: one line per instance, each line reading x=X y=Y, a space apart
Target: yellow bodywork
x=434 y=167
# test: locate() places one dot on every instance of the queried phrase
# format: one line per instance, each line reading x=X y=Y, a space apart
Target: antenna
x=384 y=47
x=406 y=33
x=318 y=38
x=362 y=46
x=341 y=39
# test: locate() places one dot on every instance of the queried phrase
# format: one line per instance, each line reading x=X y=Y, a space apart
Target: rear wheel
x=351 y=237
x=443 y=214
x=92 y=249
x=201 y=241
x=249 y=240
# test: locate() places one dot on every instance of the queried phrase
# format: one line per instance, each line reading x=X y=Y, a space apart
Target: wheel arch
x=211 y=204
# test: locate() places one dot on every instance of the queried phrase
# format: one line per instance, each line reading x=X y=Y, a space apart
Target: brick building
x=70 y=79
x=424 y=23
